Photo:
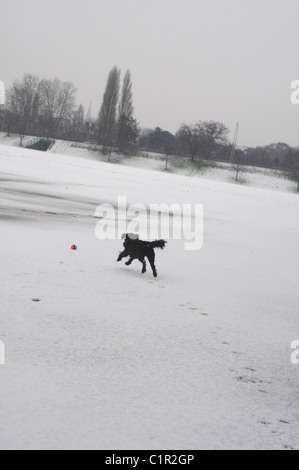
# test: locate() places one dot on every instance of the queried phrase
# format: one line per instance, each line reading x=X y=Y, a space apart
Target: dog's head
x=129 y=237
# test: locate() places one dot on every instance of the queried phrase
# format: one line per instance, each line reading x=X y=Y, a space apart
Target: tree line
x=38 y=107
x=44 y=107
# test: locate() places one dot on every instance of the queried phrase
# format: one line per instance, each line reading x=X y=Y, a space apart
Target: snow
x=198 y=358
x=217 y=171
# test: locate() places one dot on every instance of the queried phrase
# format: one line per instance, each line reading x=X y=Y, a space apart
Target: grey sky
x=190 y=60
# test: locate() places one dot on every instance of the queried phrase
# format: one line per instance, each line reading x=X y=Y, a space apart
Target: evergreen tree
x=128 y=133
x=107 y=117
x=126 y=107
x=127 y=127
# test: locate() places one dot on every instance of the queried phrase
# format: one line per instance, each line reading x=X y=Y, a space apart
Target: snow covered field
x=250 y=176
x=99 y=356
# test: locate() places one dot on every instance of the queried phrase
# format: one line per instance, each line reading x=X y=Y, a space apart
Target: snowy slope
x=111 y=359
x=250 y=176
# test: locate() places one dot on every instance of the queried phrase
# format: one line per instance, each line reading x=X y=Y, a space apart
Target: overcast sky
x=190 y=60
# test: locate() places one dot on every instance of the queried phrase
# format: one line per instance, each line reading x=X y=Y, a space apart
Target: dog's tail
x=158 y=244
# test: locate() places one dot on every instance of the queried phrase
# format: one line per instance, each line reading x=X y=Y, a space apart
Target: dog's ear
x=132 y=236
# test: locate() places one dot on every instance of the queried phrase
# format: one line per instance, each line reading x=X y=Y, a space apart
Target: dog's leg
x=143 y=262
x=151 y=259
x=129 y=262
x=122 y=255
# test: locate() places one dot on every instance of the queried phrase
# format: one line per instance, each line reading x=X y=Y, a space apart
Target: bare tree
x=107 y=115
x=238 y=163
x=22 y=101
x=58 y=103
x=211 y=133
x=188 y=139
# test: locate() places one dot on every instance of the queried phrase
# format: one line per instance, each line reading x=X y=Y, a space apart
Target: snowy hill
x=217 y=171
x=99 y=356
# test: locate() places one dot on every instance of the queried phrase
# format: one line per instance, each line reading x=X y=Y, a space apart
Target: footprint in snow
x=252 y=380
x=245 y=380
x=263 y=391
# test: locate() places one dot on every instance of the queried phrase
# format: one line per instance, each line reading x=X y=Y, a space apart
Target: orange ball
x=73 y=247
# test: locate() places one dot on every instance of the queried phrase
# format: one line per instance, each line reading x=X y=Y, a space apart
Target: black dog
x=138 y=249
